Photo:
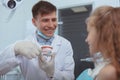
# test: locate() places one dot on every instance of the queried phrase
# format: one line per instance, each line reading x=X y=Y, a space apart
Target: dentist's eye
x=54 y=19
x=45 y=20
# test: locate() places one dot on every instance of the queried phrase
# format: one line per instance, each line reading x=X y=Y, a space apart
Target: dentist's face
x=46 y=23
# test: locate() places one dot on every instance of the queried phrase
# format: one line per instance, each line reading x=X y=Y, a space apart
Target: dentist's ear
x=34 y=22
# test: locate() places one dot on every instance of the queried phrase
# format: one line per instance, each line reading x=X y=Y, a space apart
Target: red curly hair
x=106 y=20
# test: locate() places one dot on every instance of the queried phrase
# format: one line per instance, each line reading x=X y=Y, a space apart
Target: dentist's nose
x=51 y=24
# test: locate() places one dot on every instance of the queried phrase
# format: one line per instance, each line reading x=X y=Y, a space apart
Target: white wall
x=71 y=3
x=15 y=28
x=98 y=3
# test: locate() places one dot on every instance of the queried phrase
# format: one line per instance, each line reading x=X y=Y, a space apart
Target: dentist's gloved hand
x=47 y=66
x=27 y=48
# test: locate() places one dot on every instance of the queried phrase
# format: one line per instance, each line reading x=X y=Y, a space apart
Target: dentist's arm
x=8 y=56
x=8 y=60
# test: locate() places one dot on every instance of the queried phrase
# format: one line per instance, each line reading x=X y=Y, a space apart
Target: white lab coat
x=64 y=63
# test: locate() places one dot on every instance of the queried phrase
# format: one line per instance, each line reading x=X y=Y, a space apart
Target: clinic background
x=19 y=24
x=16 y=24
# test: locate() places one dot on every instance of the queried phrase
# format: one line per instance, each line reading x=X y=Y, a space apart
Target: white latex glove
x=47 y=66
x=27 y=48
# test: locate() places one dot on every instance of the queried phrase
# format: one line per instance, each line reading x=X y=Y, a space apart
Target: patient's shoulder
x=107 y=73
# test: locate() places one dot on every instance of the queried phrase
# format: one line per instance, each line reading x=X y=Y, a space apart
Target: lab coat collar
x=56 y=43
